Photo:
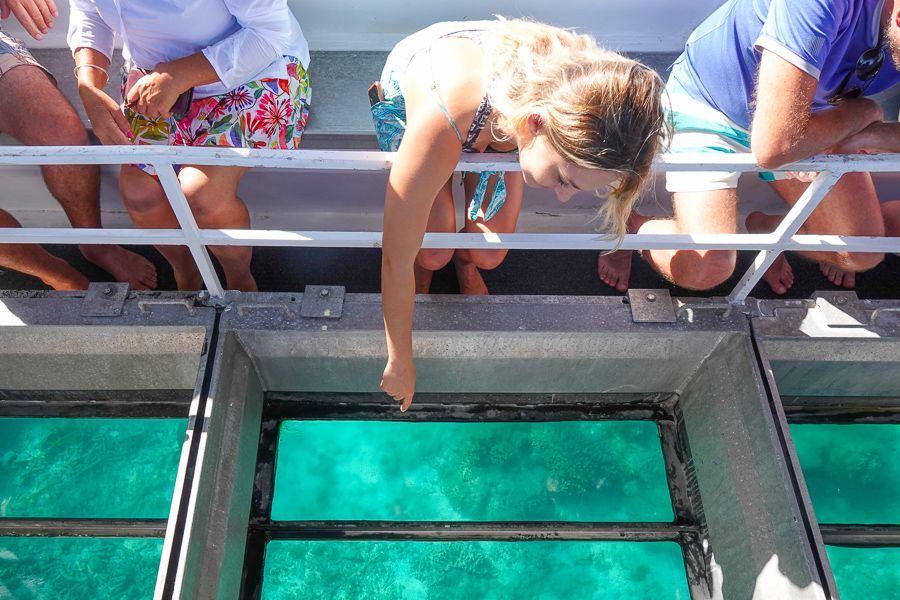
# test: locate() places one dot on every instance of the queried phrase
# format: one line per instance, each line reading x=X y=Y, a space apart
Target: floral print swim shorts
x=266 y=113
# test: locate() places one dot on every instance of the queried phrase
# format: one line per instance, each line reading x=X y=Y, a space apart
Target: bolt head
x=107 y=291
x=651 y=297
x=324 y=292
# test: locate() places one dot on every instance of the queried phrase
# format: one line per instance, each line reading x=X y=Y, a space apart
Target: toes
x=849 y=281
x=838 y=278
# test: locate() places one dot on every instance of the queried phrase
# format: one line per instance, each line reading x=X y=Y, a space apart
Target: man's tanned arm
x=784 y=130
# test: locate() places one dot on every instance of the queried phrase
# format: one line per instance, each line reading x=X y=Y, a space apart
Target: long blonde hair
x=600 y=110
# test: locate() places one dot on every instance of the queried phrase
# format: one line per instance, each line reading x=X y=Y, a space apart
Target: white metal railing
x=769 y=245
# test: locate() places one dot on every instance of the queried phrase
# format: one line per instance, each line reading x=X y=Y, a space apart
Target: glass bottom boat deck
x=559 y=447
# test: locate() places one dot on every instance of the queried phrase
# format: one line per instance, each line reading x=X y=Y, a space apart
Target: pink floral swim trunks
x=266 y=113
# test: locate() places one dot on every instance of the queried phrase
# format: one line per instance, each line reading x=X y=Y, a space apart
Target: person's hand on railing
x=399 y=382
x=35 y=16
x=804 y=176
x=105 y=115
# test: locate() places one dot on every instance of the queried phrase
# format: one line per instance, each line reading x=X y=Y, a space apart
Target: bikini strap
x=440 y=100
x=481 y=117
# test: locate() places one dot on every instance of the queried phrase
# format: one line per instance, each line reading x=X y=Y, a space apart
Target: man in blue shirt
x=784 y=79
x=35 y=112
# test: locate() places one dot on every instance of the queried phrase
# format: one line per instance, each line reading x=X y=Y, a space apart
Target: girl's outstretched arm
x=426 y=159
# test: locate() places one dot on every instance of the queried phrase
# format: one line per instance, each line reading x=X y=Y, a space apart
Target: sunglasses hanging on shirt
x=867 y=67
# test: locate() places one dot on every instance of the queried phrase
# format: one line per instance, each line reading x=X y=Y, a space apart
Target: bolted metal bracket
x=842 y=309
x=104 y=299
x=651 y=306
x=322 y=301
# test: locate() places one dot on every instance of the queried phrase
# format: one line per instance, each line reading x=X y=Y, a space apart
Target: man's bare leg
x=37 y=262
x=696 y=212
x=34 y=111
x=614 y=268
x=851 y=209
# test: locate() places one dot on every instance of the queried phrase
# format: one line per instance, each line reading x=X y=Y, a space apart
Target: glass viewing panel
x=88 y=468
x=78 y=568
x=865 y=573
x=852 y=471
x=561 y=471
x=489 y=570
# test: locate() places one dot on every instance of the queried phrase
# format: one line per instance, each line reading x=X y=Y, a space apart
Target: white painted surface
x=628 y=25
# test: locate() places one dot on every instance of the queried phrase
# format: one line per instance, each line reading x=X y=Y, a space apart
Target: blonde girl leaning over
x=581 y=118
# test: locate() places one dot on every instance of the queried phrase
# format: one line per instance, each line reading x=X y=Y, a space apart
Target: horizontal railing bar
x=368 y=160
x=514 y=241
x=468 y=531
x=102 y=528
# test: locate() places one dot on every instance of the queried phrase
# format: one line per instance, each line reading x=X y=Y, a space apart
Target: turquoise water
x=866 y=573
x=78 y=569
x=852 y=471
x=473 y=570
x=578 y=471
x=88 y=468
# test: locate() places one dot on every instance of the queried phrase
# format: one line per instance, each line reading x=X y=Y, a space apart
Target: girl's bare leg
x=468 y=262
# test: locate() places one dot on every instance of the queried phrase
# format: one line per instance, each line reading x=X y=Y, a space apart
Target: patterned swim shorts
x=14 y=54
x=267 y=113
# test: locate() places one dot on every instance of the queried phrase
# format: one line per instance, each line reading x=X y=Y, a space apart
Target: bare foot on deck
x=64 y=277
x=837 y=276
x=123 y=265
x=470 y=281
x=241 y=280
x=614 y=269
x=780 y=276
x=187 y=279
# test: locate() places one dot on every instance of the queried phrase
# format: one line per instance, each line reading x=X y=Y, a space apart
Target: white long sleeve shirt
x=244 y=40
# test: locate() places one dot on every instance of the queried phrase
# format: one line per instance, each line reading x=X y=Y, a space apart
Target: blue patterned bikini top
x=468 y=143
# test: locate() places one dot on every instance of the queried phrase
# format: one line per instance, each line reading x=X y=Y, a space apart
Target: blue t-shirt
x=824 y=38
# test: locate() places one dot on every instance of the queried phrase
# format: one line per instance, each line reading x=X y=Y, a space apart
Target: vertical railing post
x=182 y=210
x=790 y=225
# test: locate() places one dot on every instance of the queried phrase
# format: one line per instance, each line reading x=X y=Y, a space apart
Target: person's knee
x=7 y=220
x=487 y=259
x=710 y=270
x=140 y=192
x=44 y=117
x=858 y=261
x=434 y=259
x=203 y=199
x=69 y=130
